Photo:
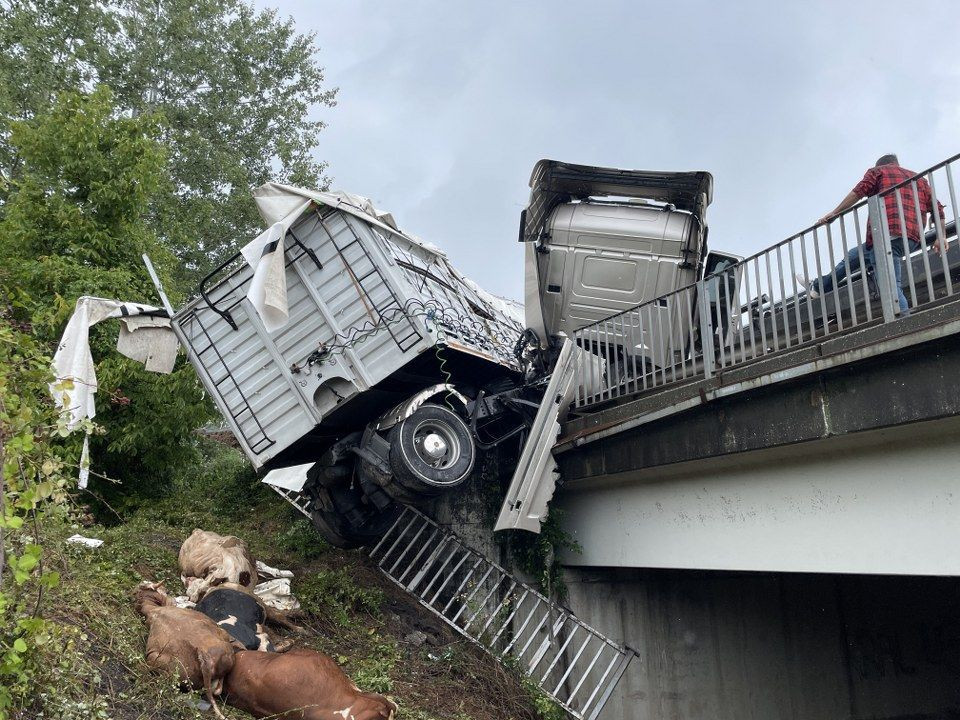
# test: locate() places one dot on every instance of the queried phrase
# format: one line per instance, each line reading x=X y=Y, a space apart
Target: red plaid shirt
x=878 y=179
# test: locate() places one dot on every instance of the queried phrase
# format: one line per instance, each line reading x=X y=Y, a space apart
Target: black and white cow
x=240 y=613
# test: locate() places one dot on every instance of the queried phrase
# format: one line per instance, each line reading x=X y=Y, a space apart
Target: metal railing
x=572 y=662
x=820 y=282
x=569 y=660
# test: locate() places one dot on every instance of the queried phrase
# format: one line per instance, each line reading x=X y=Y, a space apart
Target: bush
x=336 y=594
x=75 y=224
x=34 y=480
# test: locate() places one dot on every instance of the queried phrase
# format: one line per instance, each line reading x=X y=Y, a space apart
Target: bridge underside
x=777 y=646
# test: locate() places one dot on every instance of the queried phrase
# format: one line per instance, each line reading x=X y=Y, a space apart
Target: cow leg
x=279 y=644
x=278 y=617
x=264 y=637
x=163 y=662
x=207 y=670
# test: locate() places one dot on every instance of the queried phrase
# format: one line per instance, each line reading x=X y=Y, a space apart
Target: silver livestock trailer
x=384 y=350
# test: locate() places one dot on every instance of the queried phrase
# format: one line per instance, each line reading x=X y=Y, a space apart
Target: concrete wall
x=885 y=501
x=736 y=646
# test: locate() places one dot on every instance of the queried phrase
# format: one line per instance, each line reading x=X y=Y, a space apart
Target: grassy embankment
x=93 y=666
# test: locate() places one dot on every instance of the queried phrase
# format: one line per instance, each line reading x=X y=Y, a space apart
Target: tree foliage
x=74 y=225
x=207 y=99
x=34 y=476
x=237 y=88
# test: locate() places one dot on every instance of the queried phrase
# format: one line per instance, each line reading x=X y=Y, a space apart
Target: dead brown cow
x=301 y=684
x=208 y=559
x=185 y=642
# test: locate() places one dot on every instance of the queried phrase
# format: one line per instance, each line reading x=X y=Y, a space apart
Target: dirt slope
x=94 y=662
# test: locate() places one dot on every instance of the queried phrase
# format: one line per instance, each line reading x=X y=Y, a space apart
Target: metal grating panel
x=300 y=501
x=570 y=661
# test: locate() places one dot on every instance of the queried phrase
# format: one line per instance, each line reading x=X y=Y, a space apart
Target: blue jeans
x=852 y=263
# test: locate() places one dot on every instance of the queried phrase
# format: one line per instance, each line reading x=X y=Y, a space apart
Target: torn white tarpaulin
x=280 y=206
x=268 y=289
x=277 y=594
x=268 y=572
x=148 y=339
x=285 y=203
x=274 y=587
x=73 y=361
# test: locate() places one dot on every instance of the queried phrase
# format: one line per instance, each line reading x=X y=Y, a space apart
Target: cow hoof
x=283 y=646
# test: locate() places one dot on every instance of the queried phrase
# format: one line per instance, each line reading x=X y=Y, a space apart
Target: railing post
x=580 y=386
x=883 y=258
x=706 y=329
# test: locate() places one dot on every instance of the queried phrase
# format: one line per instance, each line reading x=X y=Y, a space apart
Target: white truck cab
x=600 y=241
x=603 y=240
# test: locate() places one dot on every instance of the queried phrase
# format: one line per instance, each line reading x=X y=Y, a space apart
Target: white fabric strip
x=268 y=289
x=73 y=361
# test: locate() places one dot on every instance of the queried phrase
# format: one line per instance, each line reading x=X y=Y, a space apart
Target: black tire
x=428 y=471
x=334 y=529
x=345 y=521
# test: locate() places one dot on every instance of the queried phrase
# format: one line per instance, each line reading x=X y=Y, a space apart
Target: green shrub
x=300 y=540
x=373 y=673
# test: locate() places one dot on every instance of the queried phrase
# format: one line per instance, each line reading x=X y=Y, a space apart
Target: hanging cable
x=438 y=351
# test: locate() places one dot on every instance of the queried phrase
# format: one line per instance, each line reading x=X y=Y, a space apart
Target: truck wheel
x=431 y=451
x=333 y=529
x=345 y=521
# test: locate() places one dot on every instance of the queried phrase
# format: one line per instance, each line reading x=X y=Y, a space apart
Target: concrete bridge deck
x=850 y=441
x=766 y=538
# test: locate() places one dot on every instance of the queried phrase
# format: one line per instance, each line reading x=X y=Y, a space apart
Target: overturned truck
x=358 y=366
x=336 y=344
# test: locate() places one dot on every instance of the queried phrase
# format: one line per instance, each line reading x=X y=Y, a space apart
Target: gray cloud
x=444 y=107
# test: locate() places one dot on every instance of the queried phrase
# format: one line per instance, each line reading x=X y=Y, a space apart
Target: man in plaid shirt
x=886 y=174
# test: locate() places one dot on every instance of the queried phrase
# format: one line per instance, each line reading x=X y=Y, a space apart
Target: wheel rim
x=436 y=444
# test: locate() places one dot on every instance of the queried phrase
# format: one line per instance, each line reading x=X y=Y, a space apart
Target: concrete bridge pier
x=777 y=646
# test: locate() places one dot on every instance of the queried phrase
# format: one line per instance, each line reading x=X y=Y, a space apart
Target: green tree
x=237 y=86
x=46 y=48
x=35 y=477
x=74 y=224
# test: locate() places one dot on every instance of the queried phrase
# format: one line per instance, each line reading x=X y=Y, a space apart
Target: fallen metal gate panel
x=573 y=663
x=300 y=501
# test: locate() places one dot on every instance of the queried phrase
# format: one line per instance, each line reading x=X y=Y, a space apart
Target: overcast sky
x=444 y=107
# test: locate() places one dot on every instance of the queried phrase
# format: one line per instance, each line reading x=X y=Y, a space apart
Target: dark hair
x=888 y=159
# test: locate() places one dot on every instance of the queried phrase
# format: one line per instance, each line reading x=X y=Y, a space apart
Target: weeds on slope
x=93 y=667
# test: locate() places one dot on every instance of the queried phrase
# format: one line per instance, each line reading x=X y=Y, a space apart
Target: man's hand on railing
x=848 y=202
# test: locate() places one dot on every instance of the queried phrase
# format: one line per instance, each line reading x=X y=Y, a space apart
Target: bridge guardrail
x=815 y=284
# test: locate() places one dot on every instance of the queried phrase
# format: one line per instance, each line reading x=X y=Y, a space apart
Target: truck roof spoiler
x=553 y=183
